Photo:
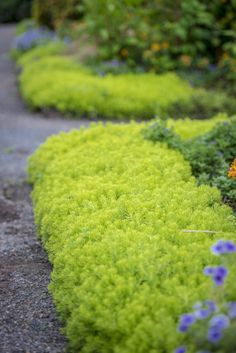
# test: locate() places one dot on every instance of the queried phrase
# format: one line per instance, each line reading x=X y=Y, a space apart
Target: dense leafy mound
x=57 y=82
x=111 y=208
x=190 y=128
x=209 y=154
x=50 y=80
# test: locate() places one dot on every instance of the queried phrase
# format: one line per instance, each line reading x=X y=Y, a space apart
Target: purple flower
x=208 y=271
x=211 y=305
x=232 y=310
x=214 y=335
x=223 y=247
x=202 y=314
x=183 y=328
x=181 y=349
x=218 y=248
x=212 y=67
x=186 y=320
x=32 y=38
x=219 y=275
x=203 y=311
x=230 y=247
x=221 y=270
x=220 y=322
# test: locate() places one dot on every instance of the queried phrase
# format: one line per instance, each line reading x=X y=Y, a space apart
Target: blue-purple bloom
x=211 y=305
x=220 y=322
x=214 y=335
x=223 y=247
x=217 y=273
x=32 y=38
x=186 y=320
x=232 y=310
x=181 y=349
x=204 y=310
x=202 y=314
x=208 y=271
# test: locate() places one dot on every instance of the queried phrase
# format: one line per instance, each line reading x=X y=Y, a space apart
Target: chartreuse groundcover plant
x=60 y=83
x=52 y=80
x=114 y=213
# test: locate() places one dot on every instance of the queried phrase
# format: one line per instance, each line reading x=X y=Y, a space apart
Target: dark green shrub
x=54 y=13
x=161 y=133
x=14 y=10
x=203 y=105
x=164 y=34
x=209 y=155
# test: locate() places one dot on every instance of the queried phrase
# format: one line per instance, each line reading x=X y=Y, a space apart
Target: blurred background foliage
x=14 y=10
x=196 y=37
x=57 y=13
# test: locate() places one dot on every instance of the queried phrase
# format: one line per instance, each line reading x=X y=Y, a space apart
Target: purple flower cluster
x=216 y=322
x=232 y=310
x=32 y=38
x=217 y=273
x=223 y=247
x=186 y=320
x=202 y=311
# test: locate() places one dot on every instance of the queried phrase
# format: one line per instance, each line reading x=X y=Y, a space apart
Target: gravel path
x=28 y=322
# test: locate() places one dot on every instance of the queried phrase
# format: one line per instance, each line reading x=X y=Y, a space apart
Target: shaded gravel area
x=28 y=322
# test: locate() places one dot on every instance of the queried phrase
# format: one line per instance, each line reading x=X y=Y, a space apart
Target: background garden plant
x=82 y=92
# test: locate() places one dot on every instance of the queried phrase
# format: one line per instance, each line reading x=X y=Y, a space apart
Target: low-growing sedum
x=52 y=80
x=190 y=128
x=121 y=219
x=59 y=83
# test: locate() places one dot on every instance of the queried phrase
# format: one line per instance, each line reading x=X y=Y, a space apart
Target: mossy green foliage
x=37 y=53
x=58 y=82
x=111 y=208
x=209 y=154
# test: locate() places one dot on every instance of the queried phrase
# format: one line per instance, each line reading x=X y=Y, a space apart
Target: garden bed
x=112 y=210
x=51 y=80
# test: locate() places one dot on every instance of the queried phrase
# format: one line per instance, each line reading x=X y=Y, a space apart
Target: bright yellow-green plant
x=37 y=53
x=50 y=79
x=61 y=83
x=127 y=231
x=189 y=128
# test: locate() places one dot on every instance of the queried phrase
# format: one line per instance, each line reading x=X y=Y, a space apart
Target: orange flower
x=225 y=56
x=155 y=47
x=203 y=62
x=186 y=59
x=165 y=45
x=232 y=170
x=124 y=52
